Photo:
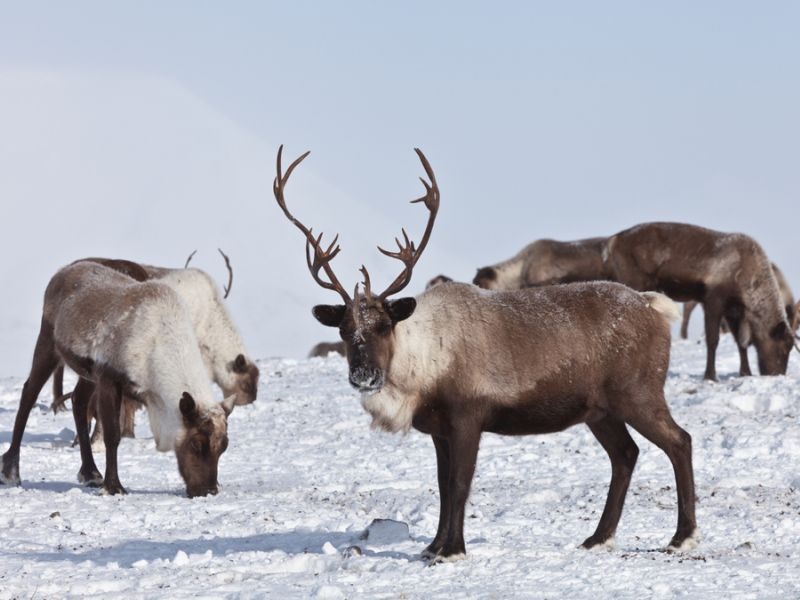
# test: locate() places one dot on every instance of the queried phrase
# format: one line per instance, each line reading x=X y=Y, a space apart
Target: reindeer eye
x=197 y=446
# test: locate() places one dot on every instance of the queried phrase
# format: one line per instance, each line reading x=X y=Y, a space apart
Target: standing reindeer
x=546 y=262
x=457 y=361
x=728 y=273
x=134 y=339
x=221 y=346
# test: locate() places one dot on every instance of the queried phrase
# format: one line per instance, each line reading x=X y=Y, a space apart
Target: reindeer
x=437 y=280
x=728 y=273
x=134 y=339
x=221 y=345
x=546 y=262
x=457 y=361
x=786 y=295
x=323 y=349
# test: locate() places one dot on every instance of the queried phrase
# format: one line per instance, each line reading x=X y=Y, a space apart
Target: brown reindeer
x=728 y=273
x=546 y=262
x=437 y=280
x=323 y=349
x=126 y=338
x=457 y=361
x=786 y=294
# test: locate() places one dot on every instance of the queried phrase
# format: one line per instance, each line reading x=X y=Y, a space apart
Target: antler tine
x=227 y=289
x=407 y=253
x=321 y=258
x=189 y=259
x=367 y=285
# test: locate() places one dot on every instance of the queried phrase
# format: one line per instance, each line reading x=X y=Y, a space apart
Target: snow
x=315 y=504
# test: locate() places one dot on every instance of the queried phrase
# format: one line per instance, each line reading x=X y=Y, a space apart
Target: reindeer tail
x=662 y=304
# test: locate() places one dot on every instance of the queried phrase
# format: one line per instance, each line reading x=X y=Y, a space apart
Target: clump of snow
x=305 y=475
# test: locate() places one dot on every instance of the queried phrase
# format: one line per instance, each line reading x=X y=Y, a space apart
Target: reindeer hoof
x=10 y=474
x=686 y=544
x=92 y=479
x=596 y=542
x=437 y=556
x=113 y=490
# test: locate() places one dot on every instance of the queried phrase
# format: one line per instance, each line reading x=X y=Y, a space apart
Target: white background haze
x=148 y=130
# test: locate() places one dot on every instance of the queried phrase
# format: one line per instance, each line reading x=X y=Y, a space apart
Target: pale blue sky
x=558 y=119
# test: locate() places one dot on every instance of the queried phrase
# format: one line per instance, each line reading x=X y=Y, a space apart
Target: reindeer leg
x=622 y=451
x=688 y=307
x=44 y=362
x=93 y=413
x=735 y=324
x=109 y=401
x=662 y=430
x=463 y=444
x=127 y=417
x=81 y=396
x=713 y=318
x=443 y=477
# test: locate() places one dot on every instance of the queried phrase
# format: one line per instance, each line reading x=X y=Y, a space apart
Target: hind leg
x=109 y=401
x=661 y=429
x=44 y=362
x=622 y=451
x=81 y=396
x=127 y=417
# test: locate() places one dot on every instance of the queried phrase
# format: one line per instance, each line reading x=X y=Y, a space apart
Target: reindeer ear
x=240 y=364
x=780 y=330
x=228 y=404
x=188 y=407
x=330 y=315
x=401 y=308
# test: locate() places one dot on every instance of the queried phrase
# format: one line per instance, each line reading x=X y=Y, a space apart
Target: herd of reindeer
x=561 y=334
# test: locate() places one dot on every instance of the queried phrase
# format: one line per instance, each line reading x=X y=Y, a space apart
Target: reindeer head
x=773 y=349
x=242 y=379
x=486 y=278
x=205 y=440
x=366 y=322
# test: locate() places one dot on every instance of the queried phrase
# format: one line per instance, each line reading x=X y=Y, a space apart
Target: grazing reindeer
x=546 y=262
x=728 y=273
x=458 y=361
x=126 y=338
x=786 y=294
x=221 y=346
x=323 y=349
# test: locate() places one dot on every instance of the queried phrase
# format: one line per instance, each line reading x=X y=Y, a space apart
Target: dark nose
x=364 y=380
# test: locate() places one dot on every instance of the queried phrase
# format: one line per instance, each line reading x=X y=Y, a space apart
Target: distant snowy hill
x=134 y=166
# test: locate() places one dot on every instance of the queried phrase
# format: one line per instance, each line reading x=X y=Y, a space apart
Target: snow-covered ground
x=304 y=477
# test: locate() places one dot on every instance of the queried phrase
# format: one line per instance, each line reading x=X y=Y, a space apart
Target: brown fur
x=323 y=349
x=530 y=361
x=437 y=280
x=728 y=273
x=546 y=262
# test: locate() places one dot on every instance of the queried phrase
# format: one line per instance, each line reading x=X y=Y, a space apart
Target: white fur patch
x=390 y=410
x=609 y=544
x=663 y=305
x=690 y=543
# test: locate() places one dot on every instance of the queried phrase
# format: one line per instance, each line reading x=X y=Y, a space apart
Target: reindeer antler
x=227 y=289
x=407 y=253
x=189 y=259
x=321 y=258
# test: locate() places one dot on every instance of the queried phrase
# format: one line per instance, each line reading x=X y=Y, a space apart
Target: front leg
x=109 y=402
x=442 y=476
x=462 y=442
x=713 y=320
